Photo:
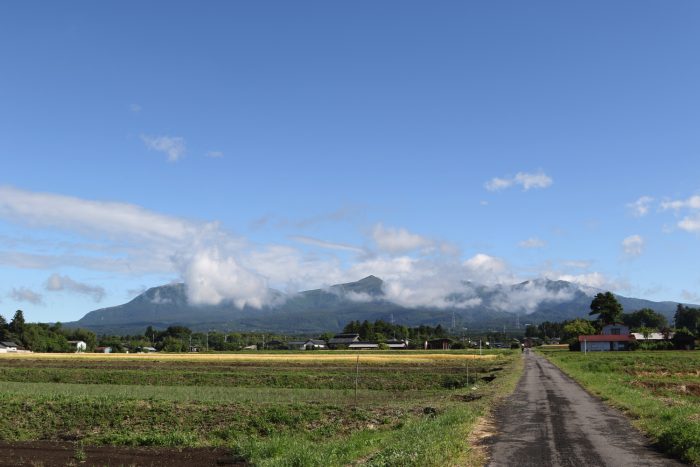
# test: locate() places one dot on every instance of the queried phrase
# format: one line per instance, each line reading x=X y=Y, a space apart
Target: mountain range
x=329 y=309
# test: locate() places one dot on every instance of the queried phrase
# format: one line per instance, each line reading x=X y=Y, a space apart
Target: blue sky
x=241 y=145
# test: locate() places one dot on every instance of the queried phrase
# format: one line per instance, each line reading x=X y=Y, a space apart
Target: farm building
x=309 y=344
x=442 y=343
x=315 y=344
x=342 y=340
x=363 y=346
x=10 y=346
x=296 y=345
x=397 y=344
x=78 y=346
x=614 y=336
x=652 y=336
x=103 y=349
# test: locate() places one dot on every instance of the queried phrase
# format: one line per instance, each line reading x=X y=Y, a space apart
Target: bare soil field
x=50 y=454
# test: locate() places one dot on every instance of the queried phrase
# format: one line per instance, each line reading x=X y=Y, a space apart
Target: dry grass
x=555 y=347
x=340 y=356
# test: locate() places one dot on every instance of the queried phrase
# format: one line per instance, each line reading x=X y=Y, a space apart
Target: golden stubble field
x=338 y=357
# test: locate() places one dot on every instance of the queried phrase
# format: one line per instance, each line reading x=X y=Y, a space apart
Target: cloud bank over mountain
x=219 y=266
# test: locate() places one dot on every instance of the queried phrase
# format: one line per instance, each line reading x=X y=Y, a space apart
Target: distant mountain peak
x=330 y=308
x=370 y=285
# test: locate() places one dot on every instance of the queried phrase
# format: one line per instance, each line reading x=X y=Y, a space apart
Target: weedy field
x=659 y=390
x=312 y=408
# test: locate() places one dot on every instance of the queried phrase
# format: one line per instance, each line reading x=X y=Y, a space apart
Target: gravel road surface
x=551 y=421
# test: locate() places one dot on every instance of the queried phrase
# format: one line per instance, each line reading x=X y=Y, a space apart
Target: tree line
x=381 y=331
x=43 y=337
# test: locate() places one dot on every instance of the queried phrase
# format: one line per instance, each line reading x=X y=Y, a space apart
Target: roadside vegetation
x=410 y=408
x=660 y=391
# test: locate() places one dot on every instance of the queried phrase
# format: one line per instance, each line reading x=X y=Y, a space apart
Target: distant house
x=397 y=344
x=363 y=345
x=443 y=343
x=296 y=345
x=250 y=347
x=103 y=349
x=612 y=337
x=652 y=336
x=275 y=345
x=148 y=349
x=315 y=344
x=78 y=346
x=342 y=340
x=11 y=346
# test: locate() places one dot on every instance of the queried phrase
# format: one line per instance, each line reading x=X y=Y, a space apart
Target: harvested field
x=309 y=408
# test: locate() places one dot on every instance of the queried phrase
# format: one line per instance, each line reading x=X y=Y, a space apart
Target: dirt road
x=551 y=421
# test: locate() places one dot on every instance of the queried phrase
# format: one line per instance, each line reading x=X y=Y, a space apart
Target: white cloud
x=496 y=184
x=526 y=297
x=90 y=217
x=56 y=283
x=676 y=205
x=690 y=223
x=24 y=294
x=533 y=180
x=640 y=208
x=394 y=240
x=218 y=266
x=173 y=146
x=593 y=280
x=325 y=244
x=633 y=245
x=215 y=154
x=213 y=277
x=524 y=179
x=486 y=268
x=532 y=242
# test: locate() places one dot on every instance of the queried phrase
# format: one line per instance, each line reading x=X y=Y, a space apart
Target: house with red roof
x=614 y=336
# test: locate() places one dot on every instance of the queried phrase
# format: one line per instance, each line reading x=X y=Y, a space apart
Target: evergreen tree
x=606 y=306
x=4 y=328
x=17 y=323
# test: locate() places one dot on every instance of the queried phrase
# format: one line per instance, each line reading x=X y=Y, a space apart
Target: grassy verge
x=660 y=391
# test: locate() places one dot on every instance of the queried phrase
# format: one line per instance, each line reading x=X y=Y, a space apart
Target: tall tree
x=687 y=317
x=17 y=323
x=4 y=328
x=606 y=306
x=645 y=318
